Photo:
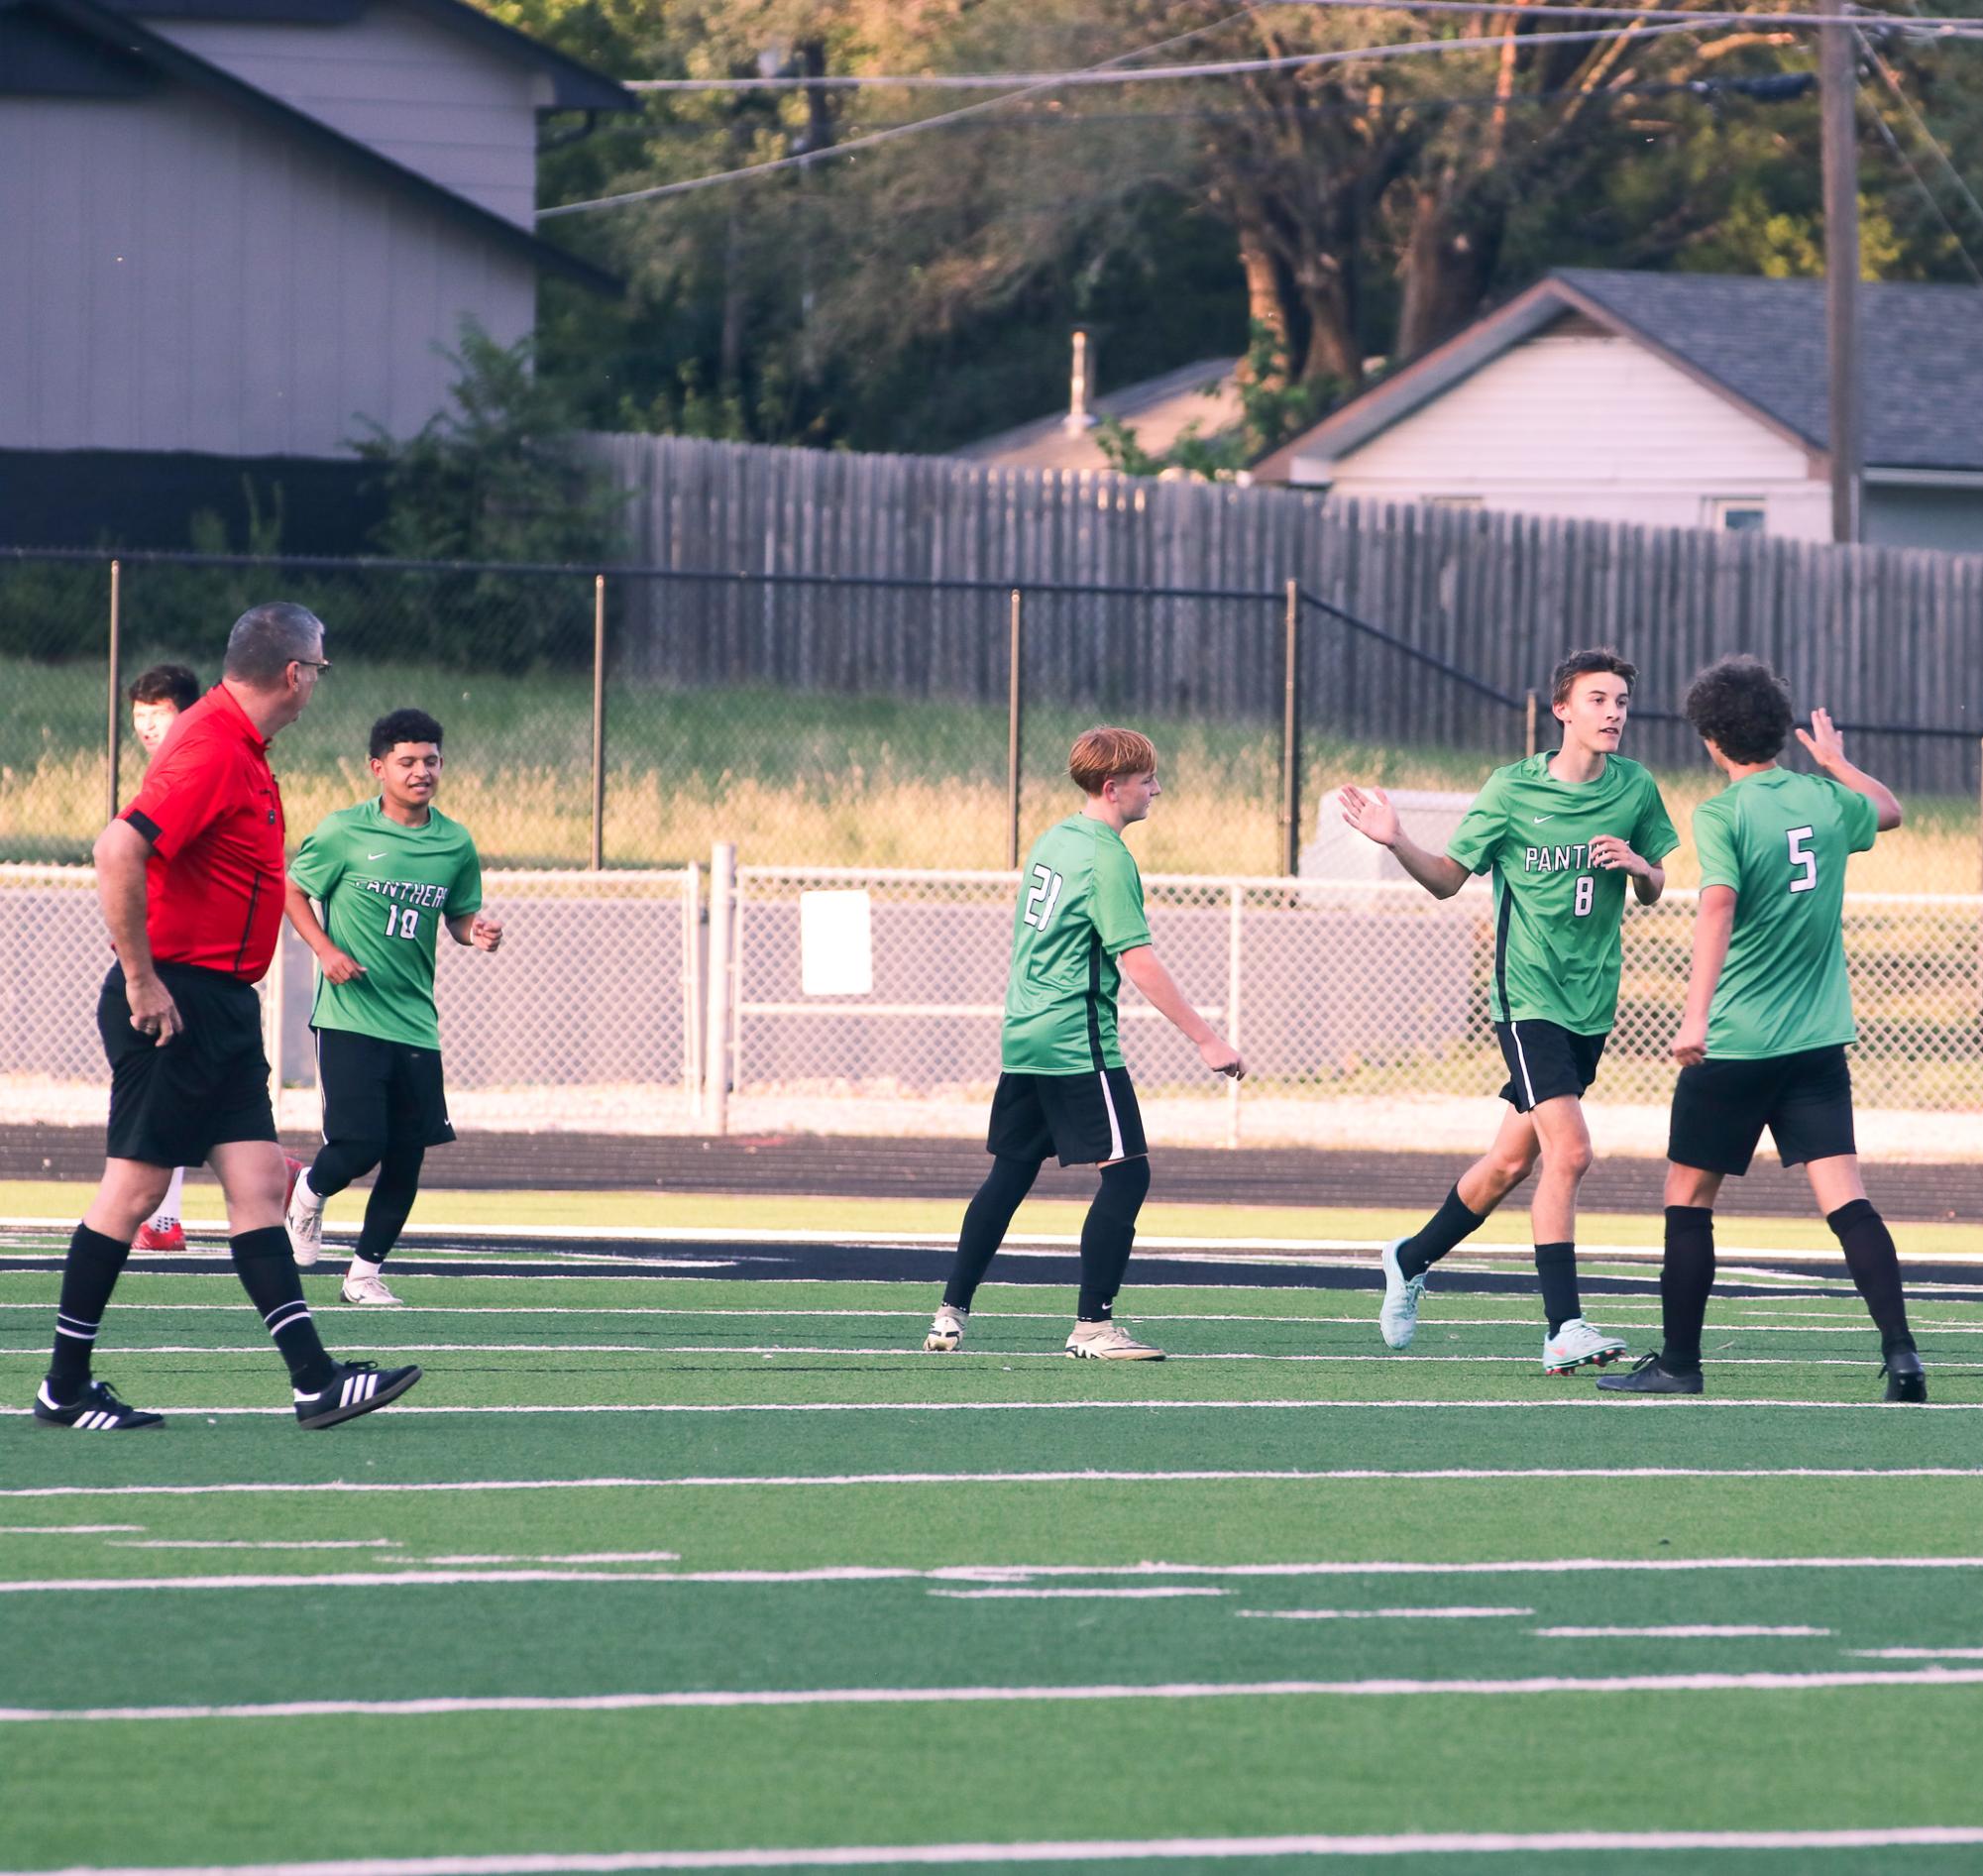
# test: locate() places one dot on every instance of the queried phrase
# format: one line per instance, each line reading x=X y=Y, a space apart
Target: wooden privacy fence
x=1180 y=583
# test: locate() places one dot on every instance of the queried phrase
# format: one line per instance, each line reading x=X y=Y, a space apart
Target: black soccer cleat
x=357 y=1387
x=1650 y=1377
x=1905 y=1379
x=98 y=1410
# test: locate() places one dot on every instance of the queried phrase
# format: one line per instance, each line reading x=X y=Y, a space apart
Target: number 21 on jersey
x=1040 y=900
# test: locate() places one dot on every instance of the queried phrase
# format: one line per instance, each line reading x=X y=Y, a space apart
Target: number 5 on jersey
x=1800 y=857
x=1040 y=900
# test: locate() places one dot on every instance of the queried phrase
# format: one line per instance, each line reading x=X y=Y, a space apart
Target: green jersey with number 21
x=1781 y=840
x=1555 y=915
x=385 y=890
x=1080 y=907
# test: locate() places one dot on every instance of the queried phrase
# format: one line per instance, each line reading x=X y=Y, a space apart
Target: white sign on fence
x=835 y=943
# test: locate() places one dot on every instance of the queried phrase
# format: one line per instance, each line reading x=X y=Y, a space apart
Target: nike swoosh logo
x=374 y=856
x=1539 y=820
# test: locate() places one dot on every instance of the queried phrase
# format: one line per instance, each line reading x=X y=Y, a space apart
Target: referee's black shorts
x=171 y=1105
x=1721 y=1108
x=379 y=1094
x=1083 y=1120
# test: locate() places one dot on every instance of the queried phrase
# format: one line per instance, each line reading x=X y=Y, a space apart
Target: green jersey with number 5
x=1080 y=907
x=1781 y=840
x=385 y=890
x=1556 y=914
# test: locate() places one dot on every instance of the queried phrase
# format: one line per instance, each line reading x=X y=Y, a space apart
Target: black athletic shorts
x=170 y=1106
x=381 y=1094
x=1083 y=1119
x=1721 y=1108
x=1546 y=1059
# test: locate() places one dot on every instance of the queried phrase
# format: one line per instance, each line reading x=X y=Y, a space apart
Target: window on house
x=1739 y=514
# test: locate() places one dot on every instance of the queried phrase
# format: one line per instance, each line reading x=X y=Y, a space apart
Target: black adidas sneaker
x=357 y=1387
x=98 y=1411
x=1903 y=1370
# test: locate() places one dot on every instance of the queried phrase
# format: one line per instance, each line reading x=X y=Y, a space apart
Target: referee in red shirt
x=191 y=880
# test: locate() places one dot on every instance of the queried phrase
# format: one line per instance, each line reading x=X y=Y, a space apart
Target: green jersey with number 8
x=1080 y=907
x=1781 y=840
x=385 y=890
x=1557 y=957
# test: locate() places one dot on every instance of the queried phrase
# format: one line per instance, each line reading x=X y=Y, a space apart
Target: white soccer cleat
x=1578 y=1345
x=1109 y=1342
x=304 y=1222
x=947 y=1330
x=367 y=1287
x=1399 y=1317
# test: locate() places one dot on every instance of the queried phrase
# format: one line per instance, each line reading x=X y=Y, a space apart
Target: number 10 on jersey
x=1039 y=901
x=403 y=921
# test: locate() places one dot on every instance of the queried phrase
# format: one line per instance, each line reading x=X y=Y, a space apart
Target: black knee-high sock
x=391 y=1201
x=339 y=1161
x=1555 y=1270
x=1107 y=1234
x=89 y=1274
x=267 y=1272
x=1686 y=1275
x=1875 y=1265
x=1451 y=1222
x=984 y=1228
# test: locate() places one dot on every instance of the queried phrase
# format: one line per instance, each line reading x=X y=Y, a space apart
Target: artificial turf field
x=682 y=1555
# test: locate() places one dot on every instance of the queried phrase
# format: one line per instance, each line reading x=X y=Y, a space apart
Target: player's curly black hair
x=1743 y=706
x=402 y=725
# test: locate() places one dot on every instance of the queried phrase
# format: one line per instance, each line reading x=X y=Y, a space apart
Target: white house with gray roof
x=1675 y=401
x=236 y=231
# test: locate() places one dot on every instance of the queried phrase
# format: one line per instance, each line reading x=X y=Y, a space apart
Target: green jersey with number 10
x=385 y=890
x=1080 y=907
x=1781 y=840
x=1557 y=915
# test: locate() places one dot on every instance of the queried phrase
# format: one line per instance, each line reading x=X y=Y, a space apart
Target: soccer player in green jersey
x=1560 y=835
x=388 y=873
x=1769 y=1013
x=1077 y=930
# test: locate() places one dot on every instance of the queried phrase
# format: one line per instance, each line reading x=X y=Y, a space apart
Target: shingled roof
x=1759 y=342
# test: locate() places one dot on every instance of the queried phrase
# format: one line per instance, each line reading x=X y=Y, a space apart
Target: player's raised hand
x=1222 y=1057
x=1825 y=746
x=1613 y=853
x=485 y=934
x=1371 y=814
x=337 y=967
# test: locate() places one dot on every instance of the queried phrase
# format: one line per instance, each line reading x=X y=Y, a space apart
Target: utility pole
x=1837 y=87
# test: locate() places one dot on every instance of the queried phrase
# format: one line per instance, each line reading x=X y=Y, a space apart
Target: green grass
x=793 y=777
x=777 y=1497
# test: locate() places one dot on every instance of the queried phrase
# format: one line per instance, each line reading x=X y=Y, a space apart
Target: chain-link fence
x=865 y=1000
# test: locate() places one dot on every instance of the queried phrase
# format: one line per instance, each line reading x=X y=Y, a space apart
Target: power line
x=1920 y=125
x=806 y=157
x=1959 y=26
x=1928 y=194
x=1225 y=69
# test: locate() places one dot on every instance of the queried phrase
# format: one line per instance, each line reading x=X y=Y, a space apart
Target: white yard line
x=1684 y=1631
x=571 y=1557
x=1681 y=1403
x=1005 y=1574
x=64 y=1530
x=1381 y=1616
x=1105 y=1692
x=246 y=1543
x=994 y=1596
x=1206 y=1475
x=1918 y=1654
x=1082 y=1850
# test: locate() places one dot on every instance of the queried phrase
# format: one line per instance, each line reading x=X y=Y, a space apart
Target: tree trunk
x=1448 y=261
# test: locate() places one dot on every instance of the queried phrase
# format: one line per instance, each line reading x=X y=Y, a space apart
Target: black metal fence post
x=114 y=722
x=1290 y=737
x=1014 y=707
x=599 y=722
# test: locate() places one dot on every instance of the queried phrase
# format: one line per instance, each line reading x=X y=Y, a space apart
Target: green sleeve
x=1715 y=842
x=466 y=897
x=1480 y=832
x=1861 y=817
x=1117 y=898
x=1653 y=837
x=319 y=863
